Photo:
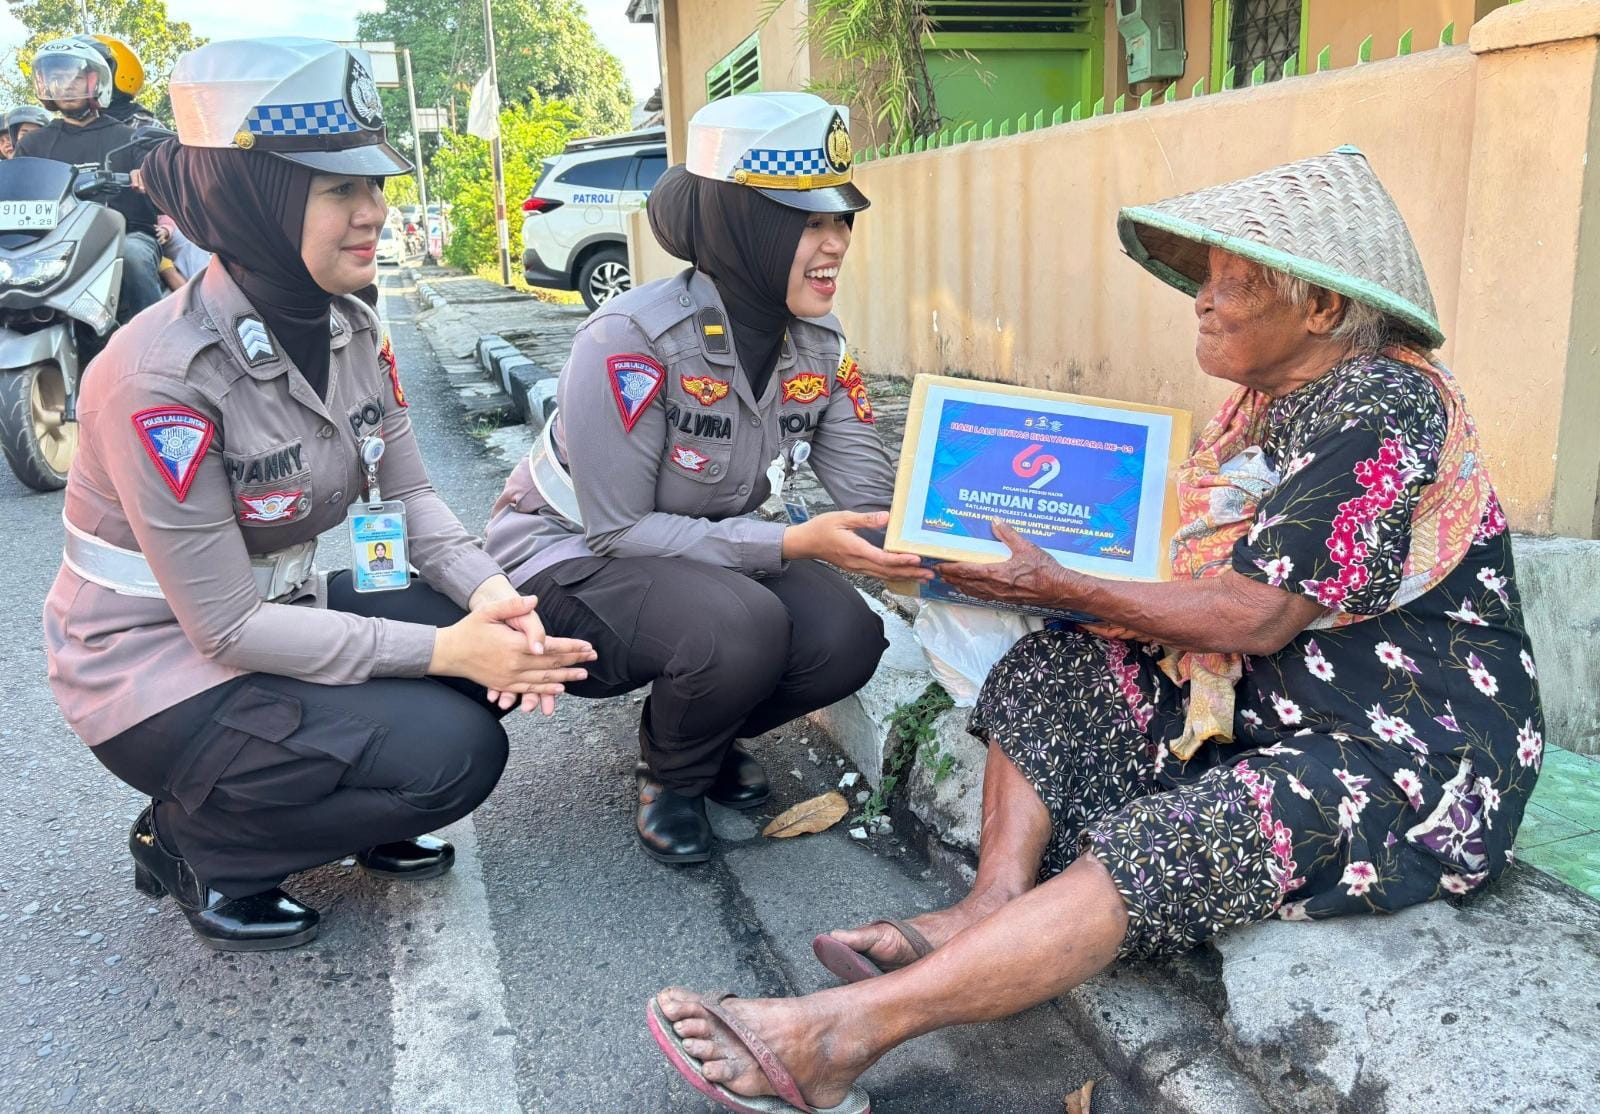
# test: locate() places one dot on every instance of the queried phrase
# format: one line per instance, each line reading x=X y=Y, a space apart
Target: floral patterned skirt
x=1224 y=839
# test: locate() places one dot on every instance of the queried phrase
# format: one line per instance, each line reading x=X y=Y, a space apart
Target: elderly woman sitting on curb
x=1332 y=709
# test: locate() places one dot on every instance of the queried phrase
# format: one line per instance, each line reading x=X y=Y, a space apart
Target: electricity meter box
x=1153 y=32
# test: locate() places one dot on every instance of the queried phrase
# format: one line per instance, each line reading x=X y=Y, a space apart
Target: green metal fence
x=1062 y=114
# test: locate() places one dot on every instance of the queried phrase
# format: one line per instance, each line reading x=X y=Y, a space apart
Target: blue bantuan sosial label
x=1078 y=484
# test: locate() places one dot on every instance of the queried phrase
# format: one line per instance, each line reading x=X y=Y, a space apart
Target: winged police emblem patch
x=704 y=389
x=635 y=380
x=175 y=438
x=688 y=459
x=272 y=507
x=805 y=387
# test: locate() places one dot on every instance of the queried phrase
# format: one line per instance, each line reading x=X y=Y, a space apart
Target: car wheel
x=603 y=276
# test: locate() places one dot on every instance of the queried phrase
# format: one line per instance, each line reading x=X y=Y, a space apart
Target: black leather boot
x=259 y=923
x=673 y=828
x=408 y=860
x=741 y=783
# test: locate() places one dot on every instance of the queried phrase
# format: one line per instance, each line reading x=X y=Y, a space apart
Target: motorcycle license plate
x=16 y=216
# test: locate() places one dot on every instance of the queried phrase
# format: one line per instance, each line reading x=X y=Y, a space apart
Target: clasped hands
x=502 y=645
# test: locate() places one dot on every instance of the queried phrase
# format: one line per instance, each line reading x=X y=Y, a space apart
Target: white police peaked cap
x=793 y=147
x=305 y=100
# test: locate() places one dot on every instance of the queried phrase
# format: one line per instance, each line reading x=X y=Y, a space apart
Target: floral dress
x=1375 y=765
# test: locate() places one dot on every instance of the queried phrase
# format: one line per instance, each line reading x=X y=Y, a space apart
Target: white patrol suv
x=573 y=236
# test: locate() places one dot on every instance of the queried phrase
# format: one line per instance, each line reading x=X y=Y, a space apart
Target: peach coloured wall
x=999 y=259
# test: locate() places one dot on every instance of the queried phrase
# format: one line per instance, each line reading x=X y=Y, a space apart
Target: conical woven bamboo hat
x=1325 y=219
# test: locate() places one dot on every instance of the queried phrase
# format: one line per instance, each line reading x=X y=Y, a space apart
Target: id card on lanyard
x=378 y=558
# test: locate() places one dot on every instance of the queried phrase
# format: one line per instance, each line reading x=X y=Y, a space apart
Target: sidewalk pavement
x=1493 y=1004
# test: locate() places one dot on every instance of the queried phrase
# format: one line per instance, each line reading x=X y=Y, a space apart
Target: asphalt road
x=516 y=983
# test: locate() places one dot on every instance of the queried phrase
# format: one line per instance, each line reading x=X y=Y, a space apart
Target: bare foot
x=804 y=1033
x=888 y=947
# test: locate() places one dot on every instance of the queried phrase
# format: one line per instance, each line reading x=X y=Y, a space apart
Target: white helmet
x=793 y=147
x=66 y=69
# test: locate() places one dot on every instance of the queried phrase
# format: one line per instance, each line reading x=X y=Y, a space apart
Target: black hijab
x=248 y=208
x=745 y=242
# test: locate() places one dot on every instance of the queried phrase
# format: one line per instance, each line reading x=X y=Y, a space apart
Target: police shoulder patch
x=849 y=377
x=389 y=364
x=175 y=438
x=635 y=381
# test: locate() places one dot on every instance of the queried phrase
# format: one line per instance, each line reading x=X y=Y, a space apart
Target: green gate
x=1027 y=55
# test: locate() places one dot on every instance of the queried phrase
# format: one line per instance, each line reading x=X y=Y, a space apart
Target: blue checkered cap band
x=320 y=118
x=786 y=163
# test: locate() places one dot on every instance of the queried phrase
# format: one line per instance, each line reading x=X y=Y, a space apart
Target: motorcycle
x=60 y=281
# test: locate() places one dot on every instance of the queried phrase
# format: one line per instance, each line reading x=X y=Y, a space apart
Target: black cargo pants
x=266 y=775
x=729 y=657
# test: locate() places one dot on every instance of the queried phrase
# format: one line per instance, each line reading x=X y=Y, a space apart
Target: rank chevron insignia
x=255 y=340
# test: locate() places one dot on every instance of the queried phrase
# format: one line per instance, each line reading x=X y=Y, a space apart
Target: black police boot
x=259 y=923
x=741 y=782
x=672 y=827
x=408 y=860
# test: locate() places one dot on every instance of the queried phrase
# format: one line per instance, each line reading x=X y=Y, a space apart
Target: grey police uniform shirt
x=200 y=446
x=668 y=447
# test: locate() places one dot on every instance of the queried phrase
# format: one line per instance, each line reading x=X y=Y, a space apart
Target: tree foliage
x=401 y=190
x=142 y=24
x=463 y=174
x=545 y=51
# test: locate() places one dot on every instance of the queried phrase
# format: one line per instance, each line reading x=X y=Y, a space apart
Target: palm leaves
x=876 y=60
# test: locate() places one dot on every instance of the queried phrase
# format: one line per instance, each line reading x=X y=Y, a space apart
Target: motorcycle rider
x=127 y=79
x=18 y=123
x=73 y=79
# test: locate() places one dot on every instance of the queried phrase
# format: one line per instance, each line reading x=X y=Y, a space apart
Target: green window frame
x=1222 y=42
x=739 y=71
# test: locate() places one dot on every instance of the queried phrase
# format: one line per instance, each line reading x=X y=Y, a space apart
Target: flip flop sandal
x=853 y=966
x=789 y=1097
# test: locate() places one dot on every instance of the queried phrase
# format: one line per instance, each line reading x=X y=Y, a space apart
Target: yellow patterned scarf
x=1224 y=480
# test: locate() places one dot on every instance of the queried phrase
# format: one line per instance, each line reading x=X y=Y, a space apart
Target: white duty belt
x=550 y=479
x=126 y=572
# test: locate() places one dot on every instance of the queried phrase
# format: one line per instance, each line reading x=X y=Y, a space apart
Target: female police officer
x=222 y=431
x=628 y=521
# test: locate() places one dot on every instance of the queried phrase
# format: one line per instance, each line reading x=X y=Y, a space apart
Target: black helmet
x=27 y=114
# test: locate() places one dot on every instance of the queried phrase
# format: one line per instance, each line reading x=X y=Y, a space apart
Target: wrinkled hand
x=163 y=235
x=832 y=538
x=1028 y=575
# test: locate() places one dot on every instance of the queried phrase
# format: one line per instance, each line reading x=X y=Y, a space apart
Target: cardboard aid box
x=1089 y=480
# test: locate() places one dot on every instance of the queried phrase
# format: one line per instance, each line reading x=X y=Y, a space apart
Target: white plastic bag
x=963 y=643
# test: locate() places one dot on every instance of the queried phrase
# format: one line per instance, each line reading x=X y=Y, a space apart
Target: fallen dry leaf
x=1078 y=1101
x=816 y=815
